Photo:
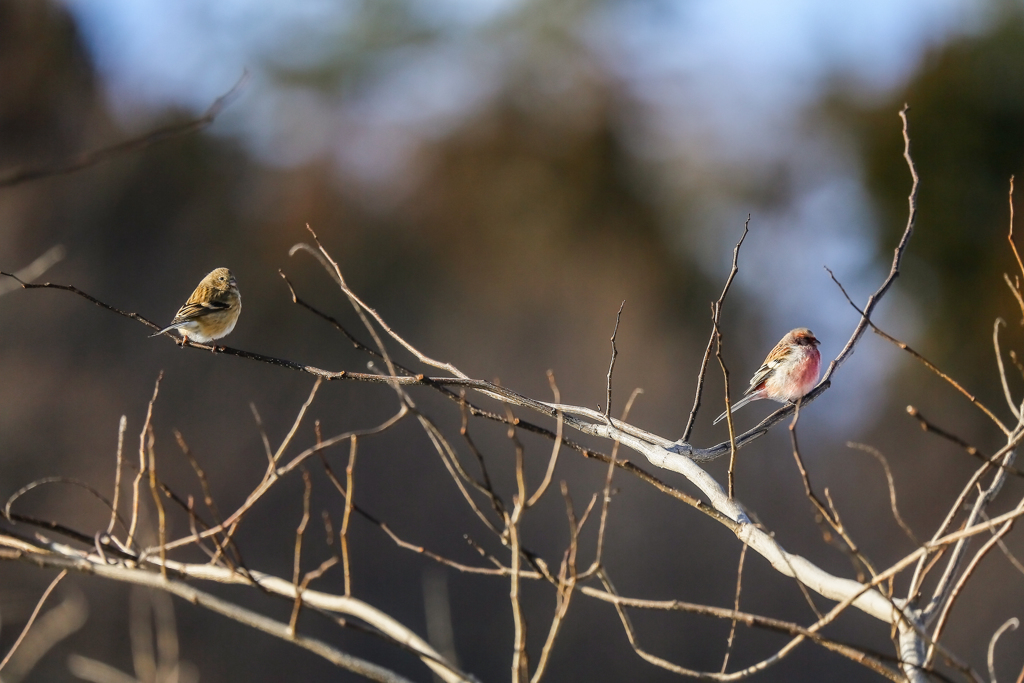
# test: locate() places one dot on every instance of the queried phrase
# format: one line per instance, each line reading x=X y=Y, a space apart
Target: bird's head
x=221 y=279
x=803 y=337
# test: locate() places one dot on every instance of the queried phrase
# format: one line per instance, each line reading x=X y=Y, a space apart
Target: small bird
x=212 y=310
x=789 y=371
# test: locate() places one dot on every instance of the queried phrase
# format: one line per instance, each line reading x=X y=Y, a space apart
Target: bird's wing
x=197 y=309
x=771 y=363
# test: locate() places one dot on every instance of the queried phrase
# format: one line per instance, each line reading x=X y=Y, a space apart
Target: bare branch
x=958 y=588
x=43 y=263
x=924 y=361
x=1010 y=624
x=1006 y=550
x=349 y=492
x=50 y=628
x=307 y=491
x=87 y=159
x=611 y=364
x=130 y=541
x=606 y=495
x=122 y=425
x=564 y=589
x=728 y=403
x=32 y=618
x=897 y=258
x=263 y=433
x=154 y=491
x=1017 y=295
x=491 y=390
x=1002 y=370
x=751 y=620
x=735 y=608
x=520 y=661
x=891 y=484
x=55 y=480
x=274 y=585
x=557 y=445
x=1009 y=237
x=993 y=461
x=717 y=310
x=298 y=420
x=275 y=476
x=828 y=515
x=940 y=601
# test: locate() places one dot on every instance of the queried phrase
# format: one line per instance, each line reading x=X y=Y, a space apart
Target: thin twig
x=1011 y=624
x=611 y=364
x=263 y=433
x=56 y=480
x=129 y=542
x=1002 y=369
x=735 y=608
x=160 y=513
x=455 y=469
x=830 y=516
x=201 y=475
x=714 y=333
x=564 y=589
x=520 y=663
x=891 y=484
x=897 y=258
x=871 y=660
x=1016 y=294
x=122 y=425
x=557 y=444
x=234 y=612
x=298 y=420
x=349 y=484
x=40 y=265
x=91 y=158
x=487 y=488
x=1009 y=237
x=941 y=598
x=268 y=483
x=993 y=461
x=924 y=566
x=32 y=618
x=728 y=405
x=606 y=493
x=307 y=491
x=221 y=548
x=360 y=307
x=51 y=627
x=1005 y=549
x=968 y=572
x=924 y=361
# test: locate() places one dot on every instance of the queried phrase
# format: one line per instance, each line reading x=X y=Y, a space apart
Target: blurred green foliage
x=967 y=140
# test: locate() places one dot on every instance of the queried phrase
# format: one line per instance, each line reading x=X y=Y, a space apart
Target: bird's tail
x=166 y=329
x=737 y=405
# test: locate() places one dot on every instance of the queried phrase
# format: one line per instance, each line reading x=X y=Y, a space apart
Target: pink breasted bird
x=789 y=371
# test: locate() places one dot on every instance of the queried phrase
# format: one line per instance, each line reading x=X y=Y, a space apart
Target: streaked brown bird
x=212 y=310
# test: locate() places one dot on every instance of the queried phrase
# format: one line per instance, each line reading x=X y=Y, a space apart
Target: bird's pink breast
x=795 y=378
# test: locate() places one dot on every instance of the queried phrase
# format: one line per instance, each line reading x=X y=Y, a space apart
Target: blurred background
x=496 y=177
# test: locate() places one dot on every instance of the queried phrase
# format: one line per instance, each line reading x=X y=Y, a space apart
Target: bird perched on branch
x=212 y=310
x=788 y=373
